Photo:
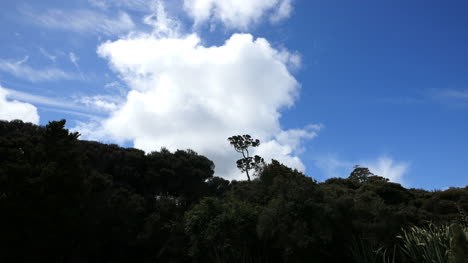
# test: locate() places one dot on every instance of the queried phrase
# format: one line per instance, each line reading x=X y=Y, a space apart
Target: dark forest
x=68 y=200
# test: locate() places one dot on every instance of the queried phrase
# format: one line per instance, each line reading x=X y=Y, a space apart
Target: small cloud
x=163 y=25
x=20 y=70
x=13 y=109
x=237 y=14
x=74 y=59
x=388 y=168
x=383 y=166
x=100 y=102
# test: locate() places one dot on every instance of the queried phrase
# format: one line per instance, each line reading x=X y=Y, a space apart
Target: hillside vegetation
x=68 y=200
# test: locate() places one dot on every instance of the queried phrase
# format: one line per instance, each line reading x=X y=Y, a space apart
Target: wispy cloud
x=90 y=116
x=454 y=94
x=453 y=98
x=20 y=70
x=405 y=100
x=130 y=4
x=105 y=103
x=48 y=55
x=86 y=106
x=82 y=21
x=74 y=60
x=43 y=100
x=163 y=25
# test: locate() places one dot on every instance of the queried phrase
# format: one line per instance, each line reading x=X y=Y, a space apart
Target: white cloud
x=237 y=14
x=83 y=21
x=13 y=109
x=23 y=71
x=388 y=168
x=185 y=95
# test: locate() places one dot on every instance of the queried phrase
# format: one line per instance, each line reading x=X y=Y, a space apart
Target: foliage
x=458 y=252
x=430 y=243
x=435 y=243
x=365 y=251
x=222 y=230
x=69 y=200
x=65 y=200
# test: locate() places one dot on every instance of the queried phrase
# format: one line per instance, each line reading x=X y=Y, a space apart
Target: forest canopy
x=68 y=200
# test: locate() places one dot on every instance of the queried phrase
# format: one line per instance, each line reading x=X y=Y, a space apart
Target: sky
x=324 y=84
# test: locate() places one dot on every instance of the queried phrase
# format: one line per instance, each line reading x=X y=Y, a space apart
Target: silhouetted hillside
x=66 y=200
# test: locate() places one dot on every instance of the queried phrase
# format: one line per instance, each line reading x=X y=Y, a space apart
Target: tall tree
x=241 y=144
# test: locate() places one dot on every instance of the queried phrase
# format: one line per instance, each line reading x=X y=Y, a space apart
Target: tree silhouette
x=360 y=174
x=241 y=144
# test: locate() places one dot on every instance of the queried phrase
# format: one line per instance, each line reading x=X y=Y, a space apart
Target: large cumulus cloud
x=185 y=95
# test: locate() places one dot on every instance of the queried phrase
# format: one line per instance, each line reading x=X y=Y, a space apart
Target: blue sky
x=324 y=84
